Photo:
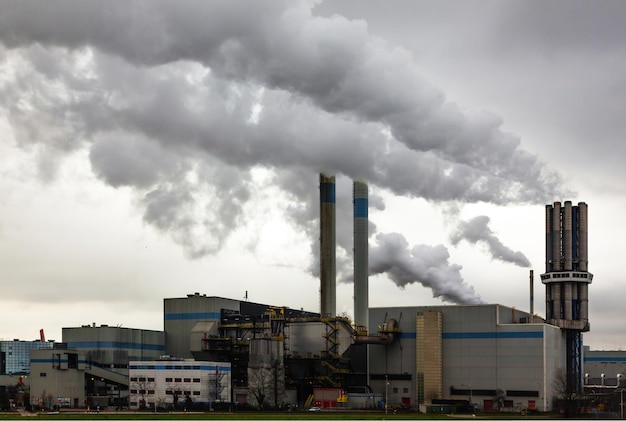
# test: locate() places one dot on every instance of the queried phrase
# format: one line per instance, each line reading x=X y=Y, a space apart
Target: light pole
x=621 y=397
x=386 y=393
x=542 y=392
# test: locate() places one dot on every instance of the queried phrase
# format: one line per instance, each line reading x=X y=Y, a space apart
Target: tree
x=216 y=387
x=259 y=385
x=566 y=393
x=141 y=386
x=175 y=392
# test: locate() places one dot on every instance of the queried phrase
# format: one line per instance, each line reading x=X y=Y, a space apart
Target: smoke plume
x=477 y=230
x=183 y=101
x=424 y=264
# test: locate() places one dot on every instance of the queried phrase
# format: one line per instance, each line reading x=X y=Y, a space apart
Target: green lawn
x=368 y=415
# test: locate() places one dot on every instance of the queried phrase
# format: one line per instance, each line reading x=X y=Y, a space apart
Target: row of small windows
x=167 y=392
x=167 y=379
x=565 y=275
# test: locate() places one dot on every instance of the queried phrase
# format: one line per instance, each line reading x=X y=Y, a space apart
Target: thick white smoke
x=424 y=264
x=182 y=101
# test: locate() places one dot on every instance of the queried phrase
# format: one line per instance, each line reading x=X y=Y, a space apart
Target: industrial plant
x=217 y=351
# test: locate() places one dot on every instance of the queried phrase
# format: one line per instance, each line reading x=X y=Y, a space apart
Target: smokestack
x=361 y=252
x=327 y=247
x=532 y=293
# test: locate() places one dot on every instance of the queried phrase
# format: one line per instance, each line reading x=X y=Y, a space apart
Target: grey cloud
x=164 y=95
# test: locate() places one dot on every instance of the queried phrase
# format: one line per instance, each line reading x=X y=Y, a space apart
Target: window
x=168 y=392
x=72 y=360
x=196 y=380
x=133 y=379
x=168 y=379
x=395 y=390
x=142 y=379
x=133 y=391
x=150 y=392
x=196 y=393
x=187 y=393
x=133 y=404
x=187 y=380
x=177 y=380
x=405 y=390
x=43 y=374
x=150 y=379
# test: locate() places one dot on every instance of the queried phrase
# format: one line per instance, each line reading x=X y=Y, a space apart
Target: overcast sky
x=154 y=149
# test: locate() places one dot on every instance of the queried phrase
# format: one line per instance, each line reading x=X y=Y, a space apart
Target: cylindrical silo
x=361 y=261
x=582 y=237
x=549 y=237
x=567 y=301
x=567 y=236
x=556 y=237
x=327 y=247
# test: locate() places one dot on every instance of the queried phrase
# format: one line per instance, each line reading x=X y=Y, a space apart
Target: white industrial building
x=169 y=383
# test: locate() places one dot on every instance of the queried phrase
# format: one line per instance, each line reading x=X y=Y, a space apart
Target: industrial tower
x=328 y=270
x=567 y=281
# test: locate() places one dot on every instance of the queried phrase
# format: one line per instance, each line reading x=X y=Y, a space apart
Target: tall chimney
x=532 y=293
x=361 y=262
x=327 y=247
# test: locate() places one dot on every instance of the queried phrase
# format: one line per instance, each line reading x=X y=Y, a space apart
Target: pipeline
x=387 y=335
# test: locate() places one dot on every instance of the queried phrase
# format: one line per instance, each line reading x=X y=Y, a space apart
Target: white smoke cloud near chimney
x=477 y=231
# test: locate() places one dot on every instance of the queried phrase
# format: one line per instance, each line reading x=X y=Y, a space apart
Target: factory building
x=604 y=369
x=58 y=379
x=172 y=384
x=482 y=356
x=491 y=355
x=112 y=347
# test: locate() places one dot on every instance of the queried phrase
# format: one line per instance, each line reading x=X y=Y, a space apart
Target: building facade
x=486 y=354
x=15 y=355
x=167 y=383
x=112 y=347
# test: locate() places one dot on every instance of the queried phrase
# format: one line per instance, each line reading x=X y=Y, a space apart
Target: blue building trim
x=327 y=192
x=483 y=335
x=493 y=335
x=360 y=208
x=115 y=345
x=191 y=316
x=148 y=366
x=605 y=359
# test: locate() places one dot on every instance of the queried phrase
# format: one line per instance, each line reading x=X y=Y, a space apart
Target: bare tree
x=141 y=387
x=565 y=393
x=259 y=385
x=175 y=392
x=216 y=387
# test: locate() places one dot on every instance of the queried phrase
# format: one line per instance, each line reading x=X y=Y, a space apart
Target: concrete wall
x=180 y=315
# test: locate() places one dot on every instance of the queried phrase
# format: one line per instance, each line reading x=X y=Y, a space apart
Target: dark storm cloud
x=181 y=101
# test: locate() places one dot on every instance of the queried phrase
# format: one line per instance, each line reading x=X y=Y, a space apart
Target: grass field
x=335 y=415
